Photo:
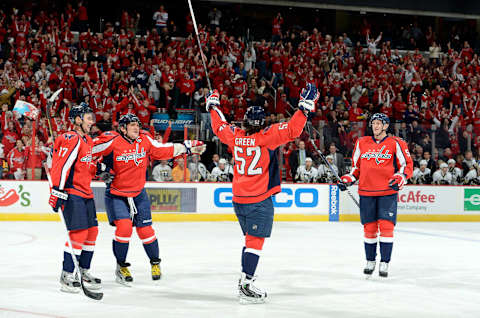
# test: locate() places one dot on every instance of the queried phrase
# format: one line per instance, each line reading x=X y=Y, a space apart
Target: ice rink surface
x=308 y=269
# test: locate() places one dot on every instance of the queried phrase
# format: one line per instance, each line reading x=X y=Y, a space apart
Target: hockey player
x=325 y=175
x=222 y=173
x=442 y=176
x=382 y=164
x=256 y=176
x=422 y=175
x=162 y=172
x=306 y=173
x=456 y=172
x=126 y=201
x=72 y=172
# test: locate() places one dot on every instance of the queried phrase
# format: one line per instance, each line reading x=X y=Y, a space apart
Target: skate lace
x=87 y=276
x=69 y=278
x=248 y=285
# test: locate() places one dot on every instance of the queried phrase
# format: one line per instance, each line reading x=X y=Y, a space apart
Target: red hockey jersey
x=129 y=160
x=374 y=163
x=72 y=166
x=256 y=175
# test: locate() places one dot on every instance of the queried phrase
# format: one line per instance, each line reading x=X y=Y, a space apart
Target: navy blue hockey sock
x=68 y=265
x=370 y=251
x=385 y=251
x=250 y=262
x=85 y=259
x=120 y=251
x=152 y=249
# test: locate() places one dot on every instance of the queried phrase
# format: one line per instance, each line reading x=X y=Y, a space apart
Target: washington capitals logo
x=134 y=155
x=377 y=155
x=87 y=158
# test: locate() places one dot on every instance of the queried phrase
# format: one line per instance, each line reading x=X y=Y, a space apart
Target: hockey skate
x=69 y=283
x=156 y=271
x=369 y=268
x=122 y=274
x=91 y=281
x=383 y=269
x=249 y=293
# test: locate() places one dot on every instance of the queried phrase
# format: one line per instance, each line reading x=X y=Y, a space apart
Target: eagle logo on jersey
x=134 y=155
x=377 y=155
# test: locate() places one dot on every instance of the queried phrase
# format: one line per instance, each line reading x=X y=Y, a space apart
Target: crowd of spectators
x=431 y=97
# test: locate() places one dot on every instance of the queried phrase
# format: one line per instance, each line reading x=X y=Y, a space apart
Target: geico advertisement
x=24 y=197
x=418 y=200
x=292 y=199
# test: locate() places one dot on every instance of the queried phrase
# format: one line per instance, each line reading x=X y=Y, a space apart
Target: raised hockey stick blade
x=86 y=291
x=330 y=167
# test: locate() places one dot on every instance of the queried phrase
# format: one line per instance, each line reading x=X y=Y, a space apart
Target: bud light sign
x=160 y=121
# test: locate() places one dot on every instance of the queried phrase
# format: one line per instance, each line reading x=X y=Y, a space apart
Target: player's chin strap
x=133 y=208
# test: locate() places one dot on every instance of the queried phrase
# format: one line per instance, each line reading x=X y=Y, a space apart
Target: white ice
x=308 y=269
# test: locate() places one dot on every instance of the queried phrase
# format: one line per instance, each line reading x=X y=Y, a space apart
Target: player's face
x=378 y=127
x=87 y=123
x=133 y=130
x=308 y=164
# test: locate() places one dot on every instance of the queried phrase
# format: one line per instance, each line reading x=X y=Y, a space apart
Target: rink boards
x=28 y=200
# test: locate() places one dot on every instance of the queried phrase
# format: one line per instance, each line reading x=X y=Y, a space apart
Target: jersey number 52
x=241 y=161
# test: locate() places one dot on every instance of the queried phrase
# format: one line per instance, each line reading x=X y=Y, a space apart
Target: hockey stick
x=86 y=291
x=199 y=44
x=331 y=168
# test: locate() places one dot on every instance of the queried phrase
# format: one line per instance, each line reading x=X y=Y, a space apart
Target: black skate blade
x=91 y=294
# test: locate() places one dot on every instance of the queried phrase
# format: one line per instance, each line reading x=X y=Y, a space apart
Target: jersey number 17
x=243 y=162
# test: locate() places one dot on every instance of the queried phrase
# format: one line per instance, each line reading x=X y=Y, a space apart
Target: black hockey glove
x=104 y=173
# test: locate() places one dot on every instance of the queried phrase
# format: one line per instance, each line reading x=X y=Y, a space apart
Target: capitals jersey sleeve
x=161 y=151
x=129 y=159
x=375 y=162
x=256 y=174
x=72 y=164
x=271 y=137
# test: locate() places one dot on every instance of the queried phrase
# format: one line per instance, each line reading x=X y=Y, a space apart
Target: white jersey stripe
x=401 y=159
x=355 y=157
x=101 y=147
x=219 y=112
x=157 y=144
x=68 y=164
